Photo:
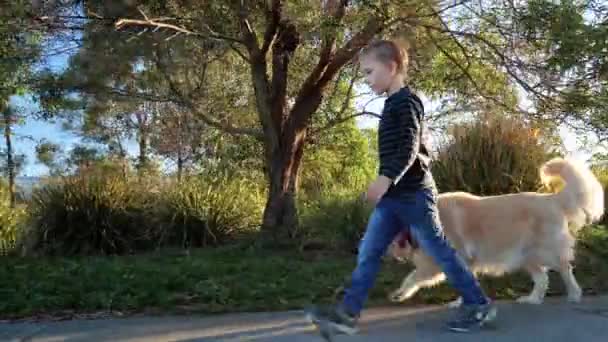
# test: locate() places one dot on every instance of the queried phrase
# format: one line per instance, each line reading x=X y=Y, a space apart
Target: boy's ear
x=394 y=68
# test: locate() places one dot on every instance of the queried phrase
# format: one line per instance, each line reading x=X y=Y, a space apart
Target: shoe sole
x=329 y=329
x=490 y=317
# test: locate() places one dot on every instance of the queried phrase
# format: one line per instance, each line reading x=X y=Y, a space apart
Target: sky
x=54 y=132
x=48 y=130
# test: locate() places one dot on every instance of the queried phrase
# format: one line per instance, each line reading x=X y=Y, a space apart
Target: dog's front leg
x=407 y=289
x=414 y=281
x=456 y=303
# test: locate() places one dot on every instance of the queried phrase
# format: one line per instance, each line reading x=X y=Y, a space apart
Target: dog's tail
x=582 y=197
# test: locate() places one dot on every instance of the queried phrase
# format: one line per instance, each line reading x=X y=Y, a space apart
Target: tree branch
x=342 y=120
x=432 y=14
x=250 y=39
x=189 y=103
x=465 y=70
x=497 y=52
x=160 y=23
x=273 y=16
x=336 y=9
x=349 y=92
x=350 y=49
x=311 y=91
x=286 y=43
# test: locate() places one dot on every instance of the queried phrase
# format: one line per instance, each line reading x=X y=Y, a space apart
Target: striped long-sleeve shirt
x=404 y=156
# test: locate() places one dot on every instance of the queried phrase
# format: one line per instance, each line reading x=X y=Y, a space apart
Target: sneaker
x=334 y=318
x=472 y=317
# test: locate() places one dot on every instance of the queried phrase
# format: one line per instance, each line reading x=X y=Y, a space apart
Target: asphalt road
x=556 y=320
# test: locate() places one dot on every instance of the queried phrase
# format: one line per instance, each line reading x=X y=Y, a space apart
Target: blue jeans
x=389 y=218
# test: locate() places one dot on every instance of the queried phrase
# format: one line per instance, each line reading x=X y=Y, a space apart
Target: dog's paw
x=455 y=303
x=530 y=300
x=398 y=296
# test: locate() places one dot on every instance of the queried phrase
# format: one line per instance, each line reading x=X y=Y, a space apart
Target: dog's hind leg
x=566 y=255
x=541 y=284
x=574 y=290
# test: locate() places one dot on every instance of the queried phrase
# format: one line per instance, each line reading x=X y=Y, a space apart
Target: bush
x=334 y=175
x=493 y=155
x=210 y=210
x=601 y=172
x=335 y=220
x=11 y=222
x=104 y=214
x=89 y=215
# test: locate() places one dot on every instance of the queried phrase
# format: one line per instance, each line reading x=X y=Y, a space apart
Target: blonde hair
x=387 y=51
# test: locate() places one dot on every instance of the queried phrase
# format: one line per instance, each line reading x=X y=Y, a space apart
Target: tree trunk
x=180 y=146
x=280 y=220
x=143 y=150
x=143 y=121
x=180 y=165
x=10 y=164
x=285 y=130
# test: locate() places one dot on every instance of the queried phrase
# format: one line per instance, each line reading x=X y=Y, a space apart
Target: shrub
x=334 y=220
x=100 y=213
x=601 y=173
x=334 y=175
x=210 y=210
x=493 y=155
x=11 y=222
x=89 y=215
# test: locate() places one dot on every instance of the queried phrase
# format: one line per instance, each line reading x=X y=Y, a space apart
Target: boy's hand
x=378 y=188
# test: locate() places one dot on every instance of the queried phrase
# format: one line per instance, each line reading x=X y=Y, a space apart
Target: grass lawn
x=231 y=279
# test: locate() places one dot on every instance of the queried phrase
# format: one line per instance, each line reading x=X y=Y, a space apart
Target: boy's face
x=379 y=75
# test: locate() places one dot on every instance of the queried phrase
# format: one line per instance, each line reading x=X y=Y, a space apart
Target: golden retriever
x=502 y=234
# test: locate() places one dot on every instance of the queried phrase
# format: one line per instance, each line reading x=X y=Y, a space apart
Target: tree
x=305 y=54
x=179 y=137
x=19 y=51
x=572 y=38
x=469 y=54
x=284 y=126
x=50 y=155
x=83 y=157
x=115 y=123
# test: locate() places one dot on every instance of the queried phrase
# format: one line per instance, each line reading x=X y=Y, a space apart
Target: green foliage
x=19 y=49
x=573 y=37
x=102 y=210
x=11 y=221
x=48 y=153
x=334 y=220
x=443 y=76
x=234 y=279
x=89 y=214
x=344 y=157
x=492 y=155
x=209 y=210
x=601 y=172
x=203 y=281
x=19 y=161
x=335 y=173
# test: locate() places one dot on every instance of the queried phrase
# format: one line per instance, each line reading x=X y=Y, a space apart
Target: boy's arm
x=400 y=142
